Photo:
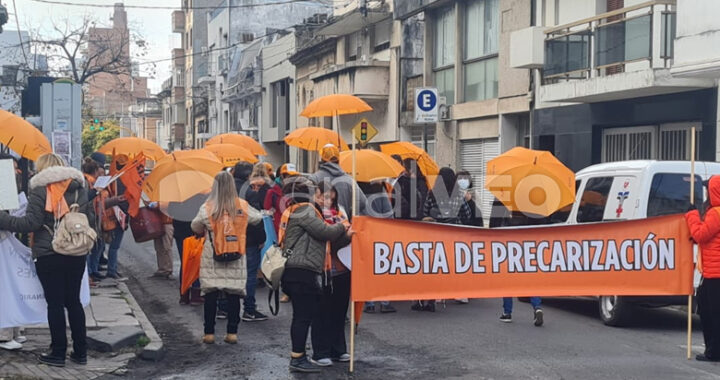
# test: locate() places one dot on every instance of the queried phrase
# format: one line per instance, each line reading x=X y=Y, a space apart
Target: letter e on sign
x=426 y=105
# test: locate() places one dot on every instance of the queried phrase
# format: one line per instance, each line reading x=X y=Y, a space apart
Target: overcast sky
x=152 y=24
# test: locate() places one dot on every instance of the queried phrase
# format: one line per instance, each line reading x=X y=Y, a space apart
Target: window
x=280 y=105
x=594 y=199
x=352 y=44
x=424 y=138
x=481 y=49
x=381 y=35
x=670 y=193
x=226 y=121
x=444 y=53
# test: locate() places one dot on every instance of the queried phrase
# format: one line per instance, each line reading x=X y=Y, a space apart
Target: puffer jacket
x=306 y=236
x=707 y=232
x=343 y=183
x=231 y=276
x=36 y=218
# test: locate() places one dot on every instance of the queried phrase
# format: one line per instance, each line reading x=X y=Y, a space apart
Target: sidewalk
x=117 y=332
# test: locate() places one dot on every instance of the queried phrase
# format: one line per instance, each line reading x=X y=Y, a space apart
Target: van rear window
x=670 y=193
x=594 y=199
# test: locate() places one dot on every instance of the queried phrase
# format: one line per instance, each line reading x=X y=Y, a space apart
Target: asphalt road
x=458 y=342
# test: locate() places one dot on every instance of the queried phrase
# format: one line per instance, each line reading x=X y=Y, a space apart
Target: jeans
x=61 y=277
x=709 y=310
x=252 y=255
x=233 y=305
x=328 y=327
x=163 y=250
x=372 y=303
x=93 y=259
x=508 y=304
x=117 y=237
x=305 y=306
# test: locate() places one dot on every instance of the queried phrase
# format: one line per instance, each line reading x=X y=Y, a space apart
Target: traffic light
x=102 y=128
x=363 y=131
x=97 y=125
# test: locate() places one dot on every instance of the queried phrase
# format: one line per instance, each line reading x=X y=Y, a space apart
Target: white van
x=634 y=190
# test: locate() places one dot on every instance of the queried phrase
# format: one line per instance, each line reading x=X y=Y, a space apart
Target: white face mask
x=464 y=183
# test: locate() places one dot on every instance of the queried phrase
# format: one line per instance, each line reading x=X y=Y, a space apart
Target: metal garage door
x=474 y=156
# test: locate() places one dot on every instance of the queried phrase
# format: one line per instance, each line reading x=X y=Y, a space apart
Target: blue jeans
x=372 y=304
x=252 y=255
x=93 y=259
x=508 y=304
x=117 y=237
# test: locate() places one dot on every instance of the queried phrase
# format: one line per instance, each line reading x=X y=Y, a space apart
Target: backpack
x=229 y=239
x=73 y=235
x=272 y=268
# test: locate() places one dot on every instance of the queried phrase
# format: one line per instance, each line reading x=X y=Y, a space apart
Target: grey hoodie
x=343 y=183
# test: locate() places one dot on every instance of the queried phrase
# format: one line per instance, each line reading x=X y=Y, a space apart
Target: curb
x=154 y=350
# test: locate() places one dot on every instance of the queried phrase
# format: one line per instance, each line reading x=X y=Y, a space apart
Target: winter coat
x=274 y=201
x=36 y=218
x=306 y=236
x=707 y=232
x=228 y=276
x=343 y=183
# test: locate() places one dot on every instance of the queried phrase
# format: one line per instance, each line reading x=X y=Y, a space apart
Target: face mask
x=464 y=184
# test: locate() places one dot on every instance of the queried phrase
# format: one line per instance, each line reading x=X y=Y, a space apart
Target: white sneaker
x=344 y=358
x=10 y=345
x=462 y=301
x=324 y=362
x=21 y=339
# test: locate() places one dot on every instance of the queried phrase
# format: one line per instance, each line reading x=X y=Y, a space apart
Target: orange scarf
x=55 y=201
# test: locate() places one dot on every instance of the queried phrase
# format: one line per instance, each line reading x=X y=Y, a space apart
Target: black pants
x=61 y=277
x=709 y=310
x=182 y=231
x=233 y=310
x=305 y=307
x=328 y=328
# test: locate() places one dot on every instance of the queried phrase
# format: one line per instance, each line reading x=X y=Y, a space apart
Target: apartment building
x=621 y=80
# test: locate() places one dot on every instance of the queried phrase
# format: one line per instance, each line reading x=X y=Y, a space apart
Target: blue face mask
x=278 y=180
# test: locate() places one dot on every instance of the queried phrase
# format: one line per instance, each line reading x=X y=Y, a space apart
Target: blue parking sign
x=426 y=105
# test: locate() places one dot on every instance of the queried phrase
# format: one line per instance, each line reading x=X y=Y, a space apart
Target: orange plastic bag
x=192 y=253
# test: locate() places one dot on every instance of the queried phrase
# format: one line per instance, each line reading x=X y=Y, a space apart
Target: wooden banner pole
x=354 y=212
x=692 y=201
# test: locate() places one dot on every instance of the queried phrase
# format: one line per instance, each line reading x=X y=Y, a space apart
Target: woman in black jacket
x=60 y=275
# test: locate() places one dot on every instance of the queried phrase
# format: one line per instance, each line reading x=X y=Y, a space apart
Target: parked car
x=639 y=189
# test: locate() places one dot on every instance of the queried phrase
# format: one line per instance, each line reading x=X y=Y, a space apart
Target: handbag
x=272 y=268
x=147 y=225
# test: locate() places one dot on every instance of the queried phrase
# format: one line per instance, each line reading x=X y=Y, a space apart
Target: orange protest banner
x=402 y=260
x=133 y=177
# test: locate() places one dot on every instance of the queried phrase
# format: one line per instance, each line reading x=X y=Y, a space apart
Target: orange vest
x=284 y=223
x=229 y=236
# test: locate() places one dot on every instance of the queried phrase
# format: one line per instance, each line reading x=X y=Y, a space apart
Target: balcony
x=368 y=80
x=625 y=53
x=178 y=57
x=178 y=22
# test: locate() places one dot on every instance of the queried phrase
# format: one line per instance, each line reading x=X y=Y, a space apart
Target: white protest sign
x=8 y=186
x=345 y=256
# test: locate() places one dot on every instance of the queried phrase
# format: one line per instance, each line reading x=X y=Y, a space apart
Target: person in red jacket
x=706 y=233
x=274 y=198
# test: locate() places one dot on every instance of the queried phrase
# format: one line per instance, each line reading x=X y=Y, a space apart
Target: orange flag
x=132 y=178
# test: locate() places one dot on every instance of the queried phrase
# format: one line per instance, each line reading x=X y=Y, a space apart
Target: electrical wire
x=22 y=45
x=266 y=4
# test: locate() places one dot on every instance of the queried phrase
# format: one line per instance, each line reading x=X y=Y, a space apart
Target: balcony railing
x=178 y=22
x=606 y=43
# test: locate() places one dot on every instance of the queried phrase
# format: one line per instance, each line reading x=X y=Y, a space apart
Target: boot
x=185 y=298
x=231 y=338
x=195 y=297
x=209 y=339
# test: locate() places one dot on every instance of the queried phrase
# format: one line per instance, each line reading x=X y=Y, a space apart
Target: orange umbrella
x=336 y=104
x=230 y=154
x=425 y=163
x=314 y=138
x=530 y=181
x=191 y=257
x=177 y=179
x=371 y=165
x=246 y=142
x=22 y=137
x=133 y=146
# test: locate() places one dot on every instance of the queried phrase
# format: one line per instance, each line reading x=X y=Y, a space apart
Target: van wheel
x=614 y=310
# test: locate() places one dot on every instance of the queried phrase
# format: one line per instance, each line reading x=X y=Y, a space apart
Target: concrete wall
x=514 y=15
x=276 y=67
x=697 y=45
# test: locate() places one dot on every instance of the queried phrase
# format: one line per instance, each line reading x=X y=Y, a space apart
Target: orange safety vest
x=284 y=223
x=229 y=236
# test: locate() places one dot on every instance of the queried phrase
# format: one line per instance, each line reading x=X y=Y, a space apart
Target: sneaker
x=302 y=364
x=78 y=359
x=370 y=309
x=11 y=345
x=703 y=358
x=21 y=339
x=116 y=277
x=430 y=306
x=344 y=358
x=387 y=309
x=506 y=318
x=161 y=275
x=462 y=301
x=254 y=316
x=97 y=276
x=52 y=360
x=417 y=306
x=538 y=317
x=324 y=362
x=221 y=314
